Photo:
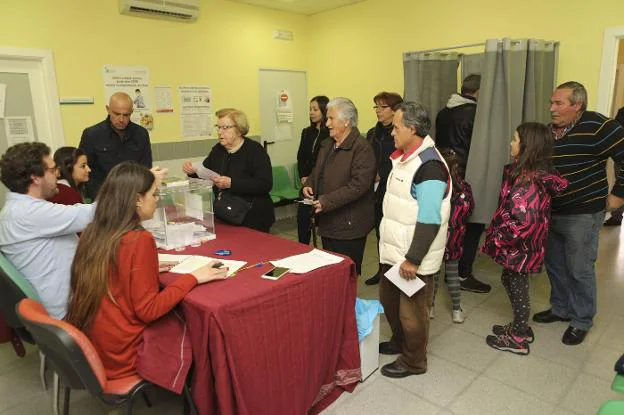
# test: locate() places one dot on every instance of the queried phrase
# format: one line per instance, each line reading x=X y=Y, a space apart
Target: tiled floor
x=464 y=377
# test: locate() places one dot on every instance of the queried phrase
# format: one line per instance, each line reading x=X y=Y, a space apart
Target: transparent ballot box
x=184 y=215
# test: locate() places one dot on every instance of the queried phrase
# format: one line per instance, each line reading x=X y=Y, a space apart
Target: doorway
x=28 y=84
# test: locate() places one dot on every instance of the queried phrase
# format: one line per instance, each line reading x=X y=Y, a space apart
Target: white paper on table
x=408 y=287
x=197 y=261
x=302 y=263
x=203 y=172
x=2 y=99
x=172 y=258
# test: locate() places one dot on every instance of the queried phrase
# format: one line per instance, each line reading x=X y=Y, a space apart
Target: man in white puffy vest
x=416 y=210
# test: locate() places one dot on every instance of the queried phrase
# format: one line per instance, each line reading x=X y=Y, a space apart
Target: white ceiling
x=307 y=7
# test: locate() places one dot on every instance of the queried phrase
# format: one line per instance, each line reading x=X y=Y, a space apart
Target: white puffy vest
x=400 y=211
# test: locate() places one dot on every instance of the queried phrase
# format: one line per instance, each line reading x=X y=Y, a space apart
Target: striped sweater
x=581 y=157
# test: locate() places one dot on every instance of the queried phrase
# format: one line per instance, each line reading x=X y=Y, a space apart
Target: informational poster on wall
x=18 y=130
x=164 y=101
x=195 y=111
x=134 y=81
x=284 y=116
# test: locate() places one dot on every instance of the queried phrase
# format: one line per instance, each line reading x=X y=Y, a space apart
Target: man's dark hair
x=415 y=115
x=471 y=84
x=391 y=99
x=20 y=162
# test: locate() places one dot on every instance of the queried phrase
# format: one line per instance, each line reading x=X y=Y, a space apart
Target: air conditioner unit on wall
x=175 y=9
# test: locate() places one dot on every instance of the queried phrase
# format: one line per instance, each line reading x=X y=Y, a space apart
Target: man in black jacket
x=454 y=125
x=114 y=140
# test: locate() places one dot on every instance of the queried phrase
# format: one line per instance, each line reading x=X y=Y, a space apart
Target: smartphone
x=275 y=273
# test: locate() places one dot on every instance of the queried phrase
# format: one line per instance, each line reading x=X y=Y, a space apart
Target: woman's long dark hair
x=456 y=171
x=536 y=149
x=115 y=215
x=322 y=102
x=66 y=158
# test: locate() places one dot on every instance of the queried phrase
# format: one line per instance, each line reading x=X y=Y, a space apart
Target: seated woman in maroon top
x=115 y=289
x=73 y=172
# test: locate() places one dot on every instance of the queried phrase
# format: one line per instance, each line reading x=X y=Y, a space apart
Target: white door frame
x=48 y=105
x=606 y=82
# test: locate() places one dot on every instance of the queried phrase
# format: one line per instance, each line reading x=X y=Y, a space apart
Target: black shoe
x=573 y=336
x=470 y=283
x=548 y=317
x=388 y=348
x=374 y=279
x=613 y=221
x=392 y=370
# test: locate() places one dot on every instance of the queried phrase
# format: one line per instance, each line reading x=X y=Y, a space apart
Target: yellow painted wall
x=354 y=51
x=357 y=49
x=224 y=49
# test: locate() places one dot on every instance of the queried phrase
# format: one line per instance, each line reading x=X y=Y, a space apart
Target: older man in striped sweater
x=584 y=140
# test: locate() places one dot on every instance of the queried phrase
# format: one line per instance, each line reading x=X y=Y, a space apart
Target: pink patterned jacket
x=517 y=234
x=462 y=205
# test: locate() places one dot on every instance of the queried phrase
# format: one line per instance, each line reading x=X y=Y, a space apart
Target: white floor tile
x=489 y=397
x=442 y=382
x=381 y=398
x=538 y=377
x=587 y=394
x=465 y=349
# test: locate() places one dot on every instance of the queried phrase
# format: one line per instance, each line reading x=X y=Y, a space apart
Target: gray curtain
x=430 y=78
x=472 y=64
x=517 y=81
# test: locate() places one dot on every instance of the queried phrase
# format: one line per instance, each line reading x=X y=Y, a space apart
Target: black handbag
x=231 y=208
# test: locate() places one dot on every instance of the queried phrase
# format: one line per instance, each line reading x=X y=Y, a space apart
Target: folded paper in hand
x=302 y=263
x=408 y=287
x=204 y=173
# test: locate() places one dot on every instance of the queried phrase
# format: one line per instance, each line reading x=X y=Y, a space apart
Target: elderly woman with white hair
x=341 y=184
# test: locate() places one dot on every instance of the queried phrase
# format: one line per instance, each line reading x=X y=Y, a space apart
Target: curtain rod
x=470 y=45
x=449 y=48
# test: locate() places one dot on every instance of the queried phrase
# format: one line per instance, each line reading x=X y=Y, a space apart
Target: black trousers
x=471 y=246
x=353 y=248
x=304 y=221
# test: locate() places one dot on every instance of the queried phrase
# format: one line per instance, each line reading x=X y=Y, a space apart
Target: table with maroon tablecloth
x=271 y=347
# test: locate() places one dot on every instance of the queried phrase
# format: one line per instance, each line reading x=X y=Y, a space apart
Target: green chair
x=614 y=407
x=283 y=189
x=297 y=178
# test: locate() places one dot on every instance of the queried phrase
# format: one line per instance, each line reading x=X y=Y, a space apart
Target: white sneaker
x=458 y=316
x=432 y=312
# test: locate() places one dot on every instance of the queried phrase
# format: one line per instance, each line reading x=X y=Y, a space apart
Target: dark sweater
x=581 y=156
x=105 y=149
x=311 y=139
x=383 y=144
x=252 y=179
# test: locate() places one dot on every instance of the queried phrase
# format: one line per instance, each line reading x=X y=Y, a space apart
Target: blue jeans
x=571 y=251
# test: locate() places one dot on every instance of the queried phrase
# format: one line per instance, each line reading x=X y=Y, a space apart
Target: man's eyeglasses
x=52 y=169
x=223 y=127
x=380 y=107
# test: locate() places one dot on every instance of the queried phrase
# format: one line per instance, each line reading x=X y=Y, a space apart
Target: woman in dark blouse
x=244 y=167
x=311 y=138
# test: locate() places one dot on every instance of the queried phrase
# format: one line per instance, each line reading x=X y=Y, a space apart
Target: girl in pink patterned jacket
x=517 y=234
x=462 y=204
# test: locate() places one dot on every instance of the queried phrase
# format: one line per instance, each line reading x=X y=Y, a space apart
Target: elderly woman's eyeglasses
x=223 y=127
x=380 y=107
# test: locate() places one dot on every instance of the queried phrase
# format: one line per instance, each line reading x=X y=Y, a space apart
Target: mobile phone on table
x=275 y=273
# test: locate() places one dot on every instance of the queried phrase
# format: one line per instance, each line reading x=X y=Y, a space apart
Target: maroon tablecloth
x=271 y=347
